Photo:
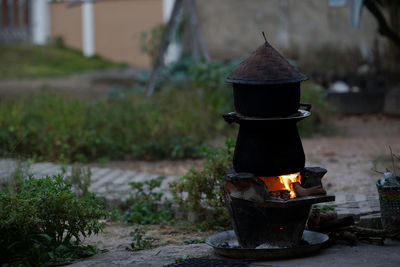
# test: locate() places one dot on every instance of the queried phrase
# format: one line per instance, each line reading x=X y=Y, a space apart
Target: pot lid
x=265 y=66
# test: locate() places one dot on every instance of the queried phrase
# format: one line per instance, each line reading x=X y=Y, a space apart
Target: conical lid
x=265 y=66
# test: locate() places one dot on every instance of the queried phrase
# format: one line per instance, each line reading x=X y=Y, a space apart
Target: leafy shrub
x=54 y=126
x=174 y=123
x=42 y=222
x=210 y=77
x=321 y=112
x=150 y=42
x=139 y=240
x=143 y=207
x=199 y=190
x=80 y=179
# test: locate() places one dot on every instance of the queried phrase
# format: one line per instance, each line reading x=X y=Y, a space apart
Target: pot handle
x=306 y=105
x=230 y=117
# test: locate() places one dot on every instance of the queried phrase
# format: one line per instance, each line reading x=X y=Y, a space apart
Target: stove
x=269 y=191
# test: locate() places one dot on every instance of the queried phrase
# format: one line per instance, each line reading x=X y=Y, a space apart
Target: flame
x=288 y=181
x=282 y=182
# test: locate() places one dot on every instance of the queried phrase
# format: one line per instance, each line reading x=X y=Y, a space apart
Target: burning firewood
x=282 y=194
x=312 y=191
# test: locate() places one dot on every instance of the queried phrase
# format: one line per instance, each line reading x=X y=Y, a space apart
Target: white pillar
x=88 y=29
x=40 y=19
x=168 y=5
x=174 y=49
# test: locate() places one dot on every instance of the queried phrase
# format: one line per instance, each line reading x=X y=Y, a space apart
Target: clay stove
x=269 y=191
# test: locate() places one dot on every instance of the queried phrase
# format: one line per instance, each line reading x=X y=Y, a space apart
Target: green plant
x=150 y=42
x=80 y=179
x=182 y=258
x=20 y=172
x=194 y=241
x=321 y=112
x=199 y=190
x=55 y=126
x=143 y=207
x=139 y=240
x=42 y=222
x=210 y=77
x=326 y=208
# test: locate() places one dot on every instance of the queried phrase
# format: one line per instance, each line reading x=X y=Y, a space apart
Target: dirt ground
x=116 y=236
x=351 y=155
x=358 y=145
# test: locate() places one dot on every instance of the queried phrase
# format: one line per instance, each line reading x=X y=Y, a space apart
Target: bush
x=199 y=190
x=321 y=112
x=173 y=124
x=143 y=207
x=54 y=126
x=139 y=240
x=42 y=222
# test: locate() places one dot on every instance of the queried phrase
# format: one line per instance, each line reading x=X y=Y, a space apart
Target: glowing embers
x=282 y=186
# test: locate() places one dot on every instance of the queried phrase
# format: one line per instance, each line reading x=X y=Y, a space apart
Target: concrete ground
x=338 y=255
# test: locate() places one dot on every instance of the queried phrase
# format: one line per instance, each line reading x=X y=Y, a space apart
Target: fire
x=282 y=182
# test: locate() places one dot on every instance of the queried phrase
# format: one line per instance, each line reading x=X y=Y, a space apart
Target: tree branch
x=383 y=26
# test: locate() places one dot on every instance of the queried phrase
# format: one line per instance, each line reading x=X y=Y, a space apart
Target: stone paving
x=113 y=185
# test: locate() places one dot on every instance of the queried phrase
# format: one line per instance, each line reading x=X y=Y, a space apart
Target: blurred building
x=232 y=27
x=112 y=28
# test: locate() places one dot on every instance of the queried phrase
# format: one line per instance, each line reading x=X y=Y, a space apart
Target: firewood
x=369 y=232
x=312 y=191
x=282 y=194
x=327 y=216
x=334 y=225
x=314 y=218
x=373 y=240
x=348 y=237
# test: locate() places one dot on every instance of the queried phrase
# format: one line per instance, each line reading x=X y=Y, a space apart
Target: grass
x=59 y=127
x=33 y=61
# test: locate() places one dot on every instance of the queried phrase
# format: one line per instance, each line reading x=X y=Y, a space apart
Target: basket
x=389 y=200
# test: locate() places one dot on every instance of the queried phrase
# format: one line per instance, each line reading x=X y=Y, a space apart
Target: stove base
x=226 y=244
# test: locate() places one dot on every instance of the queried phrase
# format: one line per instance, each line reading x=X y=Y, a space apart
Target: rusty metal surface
x=255 y=225
x=259 y=218
x=297 y=202
x=265 y=66
x=312 y=243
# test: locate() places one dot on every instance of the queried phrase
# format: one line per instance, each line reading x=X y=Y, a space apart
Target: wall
x=232 y=28
x=66 y=23
x=118 y=26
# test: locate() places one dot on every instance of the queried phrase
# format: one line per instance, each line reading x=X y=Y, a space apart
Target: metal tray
x=314 y=239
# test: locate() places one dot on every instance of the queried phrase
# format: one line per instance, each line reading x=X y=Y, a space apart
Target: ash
x=268 y=246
